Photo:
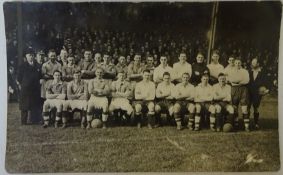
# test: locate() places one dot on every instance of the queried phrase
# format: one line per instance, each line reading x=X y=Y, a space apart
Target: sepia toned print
x=142 y=87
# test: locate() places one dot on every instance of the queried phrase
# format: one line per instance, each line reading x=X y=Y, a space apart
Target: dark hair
x=77 y=72
x=87 y=50
x=215 y=52
x=166 y=73
x=51 y=50
x=58 y=72
x=182 y=53
x=221 y=74
x=186 y=73
x=205 y=75
x=200 y=53
x=146 y=70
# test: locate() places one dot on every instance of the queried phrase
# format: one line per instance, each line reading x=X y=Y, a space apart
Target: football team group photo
x=142 y=87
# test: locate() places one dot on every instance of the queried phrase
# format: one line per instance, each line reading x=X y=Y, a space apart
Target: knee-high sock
x=46 y=117
x=191 y=120
x=58 y=116
x=64 y=117
x=212 y=120
x=83 y=116
x=197 y=120
x=151 y=119
x=177 y=117
x=246 y=120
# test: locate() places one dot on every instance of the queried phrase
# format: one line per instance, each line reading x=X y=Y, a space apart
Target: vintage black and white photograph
x=142 y=86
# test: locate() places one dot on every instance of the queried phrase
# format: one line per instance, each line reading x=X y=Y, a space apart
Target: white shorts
x=76 y=104
x=54 y=103
x=121 y=103
x=97 y=102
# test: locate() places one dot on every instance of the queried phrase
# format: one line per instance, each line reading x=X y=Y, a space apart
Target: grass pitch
x=128 y=149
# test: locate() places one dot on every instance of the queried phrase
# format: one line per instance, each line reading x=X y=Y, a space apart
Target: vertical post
x=212 y=30
x=20 y=32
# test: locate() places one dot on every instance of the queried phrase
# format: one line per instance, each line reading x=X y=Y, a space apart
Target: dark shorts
x=240 y=95
x=143 y=103
x=165 y=105
x=223 y=105
x=184 y=105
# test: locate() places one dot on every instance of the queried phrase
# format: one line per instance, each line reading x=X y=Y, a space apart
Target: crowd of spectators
x=69 y=28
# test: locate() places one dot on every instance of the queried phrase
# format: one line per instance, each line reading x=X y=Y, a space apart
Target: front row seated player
x=77 y=98
x=99 y=91
x=203 y=102
x=222 y=103
x=184 y=105
x=164 y=99
x=144 y=100
x=122 y=92
x=55 y=98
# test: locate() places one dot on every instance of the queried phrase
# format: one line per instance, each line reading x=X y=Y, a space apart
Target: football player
x=150 y=65
x=48 y=69
x=239 y=79
x=69 y=69
x=164 y=95
x=99 y=90
x=62 y=58
x=215 y=67
x=229 y=68
x=198 y=68
x=159 y=70
x=181 y=67
x=257 y=88
x=108 y=67
x=222 y=103
x=184 y=93
x=122 y=92
x=77 y=98
x=86 y=65
x=144 y=96
x=55 y=98
x=203 y=101
x=135 y=69
x=121 y=66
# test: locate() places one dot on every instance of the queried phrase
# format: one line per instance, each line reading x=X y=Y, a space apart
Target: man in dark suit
x=257 y=87
x=28 y=77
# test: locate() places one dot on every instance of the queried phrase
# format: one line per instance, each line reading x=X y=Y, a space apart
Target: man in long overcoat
x=28 y=77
